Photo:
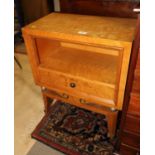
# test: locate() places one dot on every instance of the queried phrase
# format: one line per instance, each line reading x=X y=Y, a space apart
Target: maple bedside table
x=82 y=59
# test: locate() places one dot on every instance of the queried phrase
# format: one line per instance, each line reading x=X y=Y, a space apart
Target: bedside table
x=82 y=60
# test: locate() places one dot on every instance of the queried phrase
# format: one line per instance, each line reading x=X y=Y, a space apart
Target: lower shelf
x=74 y=131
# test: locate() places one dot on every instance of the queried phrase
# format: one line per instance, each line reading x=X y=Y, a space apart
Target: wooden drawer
x=127 y=150
x=131 y=139
x=77 y=101
x=132 y=124
x=66 y=83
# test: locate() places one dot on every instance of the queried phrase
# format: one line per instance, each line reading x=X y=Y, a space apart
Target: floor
x=28 y=111
x=20 y=48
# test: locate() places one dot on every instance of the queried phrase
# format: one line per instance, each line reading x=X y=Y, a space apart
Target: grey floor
x=41 y=149
x=28 y=111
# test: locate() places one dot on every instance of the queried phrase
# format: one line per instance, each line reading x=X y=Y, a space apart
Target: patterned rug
x=74 y=131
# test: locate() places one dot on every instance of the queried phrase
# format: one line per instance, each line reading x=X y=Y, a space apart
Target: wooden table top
x=119 y=29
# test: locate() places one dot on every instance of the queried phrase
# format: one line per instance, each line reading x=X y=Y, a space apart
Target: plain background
x=147 y=59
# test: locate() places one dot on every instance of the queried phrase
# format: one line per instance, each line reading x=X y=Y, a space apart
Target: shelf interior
x=99 y=67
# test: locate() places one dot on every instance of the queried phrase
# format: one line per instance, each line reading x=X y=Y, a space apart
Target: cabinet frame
x=124 y=49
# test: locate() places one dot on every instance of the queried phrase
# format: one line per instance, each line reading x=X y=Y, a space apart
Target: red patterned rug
x=74 y=131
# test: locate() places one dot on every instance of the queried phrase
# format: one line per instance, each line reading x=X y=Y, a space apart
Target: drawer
x=134 y=105
x=99 y=92
x=132 y=124
x=77 y=101
x=127 y=150
x=131 y=139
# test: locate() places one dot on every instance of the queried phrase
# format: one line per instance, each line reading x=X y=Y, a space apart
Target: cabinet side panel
x=32 y=55
x=123 y=75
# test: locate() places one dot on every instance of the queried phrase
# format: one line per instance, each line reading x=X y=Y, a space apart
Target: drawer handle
x=83 y=101
x=64 y=96
x=87 y=103
x=91 y=104
x=72 y=85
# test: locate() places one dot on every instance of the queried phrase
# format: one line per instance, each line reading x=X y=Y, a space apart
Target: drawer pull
x=87 y=103
x=64 y=96
x=72 y=85
x=90 y=104
x=83 y=101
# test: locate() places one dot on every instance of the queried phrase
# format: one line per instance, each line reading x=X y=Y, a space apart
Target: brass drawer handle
x=65 y=96
x=72 y=85
x=91 y=104
x=87 y=103
x=83 y=101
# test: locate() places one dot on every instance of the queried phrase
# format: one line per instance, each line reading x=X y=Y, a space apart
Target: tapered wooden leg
x=112 y=122
x=47 y=103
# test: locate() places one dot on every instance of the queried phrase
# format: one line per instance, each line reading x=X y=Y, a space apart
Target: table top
x=110 y=28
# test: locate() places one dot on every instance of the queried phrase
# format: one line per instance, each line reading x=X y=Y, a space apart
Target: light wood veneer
x=82 y=60
x=84 y=55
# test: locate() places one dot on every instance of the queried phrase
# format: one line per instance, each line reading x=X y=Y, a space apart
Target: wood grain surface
x=120 y=29
x=90 y=52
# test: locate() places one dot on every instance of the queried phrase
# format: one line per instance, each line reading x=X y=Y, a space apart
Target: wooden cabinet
x=82 y=60
x=87 y=56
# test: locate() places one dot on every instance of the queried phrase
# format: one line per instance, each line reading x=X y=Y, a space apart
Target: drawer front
x=132 y=124
x=127 y=150
x=77 y=101
x=52 y=79
x=131 y=139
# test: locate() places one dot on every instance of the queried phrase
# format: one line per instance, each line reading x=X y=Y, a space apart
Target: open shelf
x=78 y=62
